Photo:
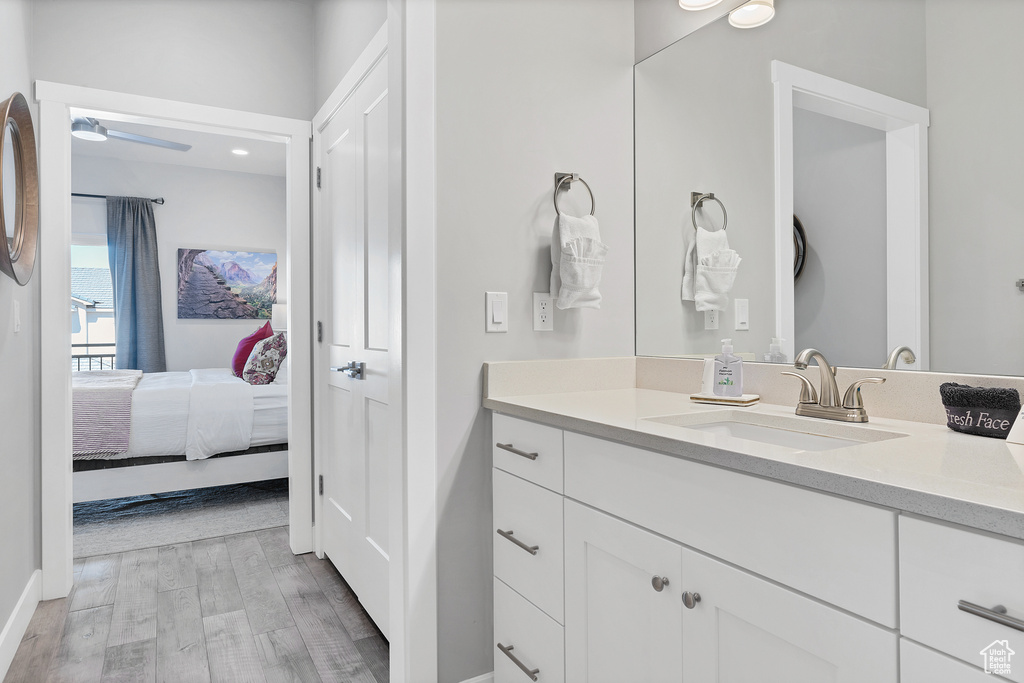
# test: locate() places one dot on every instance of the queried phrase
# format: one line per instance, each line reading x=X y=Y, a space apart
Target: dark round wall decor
x=19 y=190
x=799 y=247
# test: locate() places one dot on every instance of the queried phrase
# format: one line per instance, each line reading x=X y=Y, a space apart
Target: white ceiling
x=209 y=150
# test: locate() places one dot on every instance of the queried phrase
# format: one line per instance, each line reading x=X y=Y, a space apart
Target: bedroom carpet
x=112 y=526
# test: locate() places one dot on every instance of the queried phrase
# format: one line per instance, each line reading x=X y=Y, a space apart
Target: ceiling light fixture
x=752 y=14
x=695 y=5
x=88 y=129
x=240 y=152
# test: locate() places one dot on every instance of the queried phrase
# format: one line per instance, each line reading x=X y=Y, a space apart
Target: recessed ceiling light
x=752 y=14
x=240 y=152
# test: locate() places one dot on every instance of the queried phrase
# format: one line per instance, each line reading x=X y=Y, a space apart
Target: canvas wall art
x=226 y=285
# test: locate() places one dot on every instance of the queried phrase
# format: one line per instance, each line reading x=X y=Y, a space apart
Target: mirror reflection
x=706 y=122
x=10 y=186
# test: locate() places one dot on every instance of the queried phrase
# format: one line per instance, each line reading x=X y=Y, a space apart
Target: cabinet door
x=618 y=626
x=747 y=630
x=918 y=664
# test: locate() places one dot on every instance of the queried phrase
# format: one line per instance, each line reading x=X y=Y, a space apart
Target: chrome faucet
x=827 y=406
x=900 y=352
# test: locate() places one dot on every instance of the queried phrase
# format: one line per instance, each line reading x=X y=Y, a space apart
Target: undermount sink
x=798 y=434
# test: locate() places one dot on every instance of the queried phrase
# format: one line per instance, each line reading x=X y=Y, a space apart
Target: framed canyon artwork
x=216 y=284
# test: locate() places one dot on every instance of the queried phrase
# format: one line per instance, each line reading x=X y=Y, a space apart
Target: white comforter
x=201 y=413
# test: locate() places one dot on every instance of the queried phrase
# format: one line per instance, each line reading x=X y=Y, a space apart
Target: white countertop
x=932 y=471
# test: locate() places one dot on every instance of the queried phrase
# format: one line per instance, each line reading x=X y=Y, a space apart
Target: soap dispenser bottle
x=775 y=354
x=728 y=372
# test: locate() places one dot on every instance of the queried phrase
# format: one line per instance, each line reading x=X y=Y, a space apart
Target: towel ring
x=697 y=200
x=571 y=177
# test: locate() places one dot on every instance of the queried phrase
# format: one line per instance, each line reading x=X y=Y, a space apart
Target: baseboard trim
x=17 y=624
x=486 y=678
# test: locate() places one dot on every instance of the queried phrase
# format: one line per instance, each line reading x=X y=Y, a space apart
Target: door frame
x=906 y=150
x=55 y=104
x=408 y=38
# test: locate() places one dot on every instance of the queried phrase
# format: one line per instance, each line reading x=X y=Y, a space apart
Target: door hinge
x=319 y=331
x=321 y=484
x=318 y=177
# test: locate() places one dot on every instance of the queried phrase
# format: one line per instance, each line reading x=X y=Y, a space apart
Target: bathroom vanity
x=642 y=537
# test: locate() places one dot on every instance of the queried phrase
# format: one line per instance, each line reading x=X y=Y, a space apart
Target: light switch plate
x=742 y=310
x=496 y=311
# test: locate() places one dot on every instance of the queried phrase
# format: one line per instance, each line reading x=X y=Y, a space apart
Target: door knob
x=353 y=369
x=659 y=583
x=690 y=600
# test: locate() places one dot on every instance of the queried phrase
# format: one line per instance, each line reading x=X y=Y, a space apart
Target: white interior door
x=352 y=366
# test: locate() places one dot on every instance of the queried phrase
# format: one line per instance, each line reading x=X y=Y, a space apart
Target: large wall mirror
x=19 y=190
x=706 y=122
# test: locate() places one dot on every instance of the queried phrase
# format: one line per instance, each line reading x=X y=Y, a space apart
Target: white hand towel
x=698 y=244
x=715 y=271
x=577 y=259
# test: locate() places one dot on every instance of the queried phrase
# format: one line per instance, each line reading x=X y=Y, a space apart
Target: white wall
x=659 y=23
x=839 y=194
x=342 y=30
x=975 y=172
x=205 y=209
x=251 y=55
x=524 y=89
x=705 y=122
x=19 y=395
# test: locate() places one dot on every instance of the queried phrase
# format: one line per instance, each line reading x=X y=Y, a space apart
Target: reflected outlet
x=543 y=312
x=711 y=319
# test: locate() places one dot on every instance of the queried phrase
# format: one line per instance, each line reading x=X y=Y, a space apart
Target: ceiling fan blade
x=156 y=142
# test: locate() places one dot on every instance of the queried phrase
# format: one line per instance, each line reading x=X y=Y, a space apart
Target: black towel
x=985 y=411
x=963 y=396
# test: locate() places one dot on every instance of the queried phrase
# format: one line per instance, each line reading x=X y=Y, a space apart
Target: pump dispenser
x=728 y=372
x=775 y=354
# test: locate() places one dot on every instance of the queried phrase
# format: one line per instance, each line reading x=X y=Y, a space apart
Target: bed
x=136 y=434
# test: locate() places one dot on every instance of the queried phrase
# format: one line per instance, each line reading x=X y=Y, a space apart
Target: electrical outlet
x=543 y=312
x=711 y=320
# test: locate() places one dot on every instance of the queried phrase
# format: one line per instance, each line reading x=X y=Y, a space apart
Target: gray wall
x=205 y=208
x=342 y=29
x=659 y=23
x=251 y=55
x=524 y=89
x=976 y=168
x=705 y=121
x=839 y=195
x=19 y=398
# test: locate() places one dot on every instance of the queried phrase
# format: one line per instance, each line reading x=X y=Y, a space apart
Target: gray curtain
x=135 y=273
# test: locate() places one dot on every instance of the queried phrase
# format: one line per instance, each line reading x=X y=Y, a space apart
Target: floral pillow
x=265 y=359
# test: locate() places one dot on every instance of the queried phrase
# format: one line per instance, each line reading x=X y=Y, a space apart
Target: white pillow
x=282 y=373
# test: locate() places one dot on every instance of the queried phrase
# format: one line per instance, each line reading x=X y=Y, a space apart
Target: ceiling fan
x=91 y=129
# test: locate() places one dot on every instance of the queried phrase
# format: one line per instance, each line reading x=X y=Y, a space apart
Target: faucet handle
x=852 y=399
x=807 y=392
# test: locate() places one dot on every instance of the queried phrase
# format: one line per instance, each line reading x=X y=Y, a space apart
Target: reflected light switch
x=496 y=311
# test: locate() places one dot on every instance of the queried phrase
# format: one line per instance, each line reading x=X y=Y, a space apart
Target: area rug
x=113 y=526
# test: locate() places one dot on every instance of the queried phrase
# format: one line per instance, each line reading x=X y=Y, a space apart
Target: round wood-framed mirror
x=19 y=190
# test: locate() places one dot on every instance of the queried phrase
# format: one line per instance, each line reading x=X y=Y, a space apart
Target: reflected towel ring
x=571 y=177
x=697 y=200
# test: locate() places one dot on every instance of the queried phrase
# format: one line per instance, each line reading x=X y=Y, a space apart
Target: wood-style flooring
x=234 y=609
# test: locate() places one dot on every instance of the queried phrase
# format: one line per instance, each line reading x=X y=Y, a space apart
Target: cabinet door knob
x=659 y=583
x=690 y=599
x=512 y=449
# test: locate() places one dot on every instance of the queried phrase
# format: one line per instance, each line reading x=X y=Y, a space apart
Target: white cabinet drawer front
x=942 y=565
x=747 y=629
x=834 y=549
x=528 y=450
x=920 y=665
x=528 y=515
x=619 y=627
x=528 y=636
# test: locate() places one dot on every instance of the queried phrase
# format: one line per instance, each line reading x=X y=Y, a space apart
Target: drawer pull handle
x=532 y=549
x=690 y=599
x=996 y=614
x=511 y=449
x=532 y=673
x=659 y=582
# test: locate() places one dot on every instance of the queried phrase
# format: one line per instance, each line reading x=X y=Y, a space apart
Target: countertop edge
x=966 y=513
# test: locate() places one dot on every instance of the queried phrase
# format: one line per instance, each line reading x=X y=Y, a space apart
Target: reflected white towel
x=709 y=269
x=577 y=260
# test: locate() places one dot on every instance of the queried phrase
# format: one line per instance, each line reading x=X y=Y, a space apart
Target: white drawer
x=533 y=638
x=528 y=450
x=942 y=565
x=921 y=665
x=532 y=516
x=835 y=549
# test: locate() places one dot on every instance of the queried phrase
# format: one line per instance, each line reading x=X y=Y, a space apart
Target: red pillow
x=245 y=348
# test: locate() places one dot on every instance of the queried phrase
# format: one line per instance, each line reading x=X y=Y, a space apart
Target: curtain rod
x=158 y=200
